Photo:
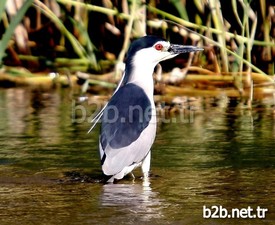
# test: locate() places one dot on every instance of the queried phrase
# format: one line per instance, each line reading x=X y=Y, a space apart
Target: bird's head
x=152 y=50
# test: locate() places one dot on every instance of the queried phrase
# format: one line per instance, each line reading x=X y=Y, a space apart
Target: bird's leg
x=146 y=168
x=146 y=181
x=133 y=176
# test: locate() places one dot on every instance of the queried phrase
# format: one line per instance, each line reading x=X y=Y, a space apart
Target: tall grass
x=12 y=26
x=232 y=50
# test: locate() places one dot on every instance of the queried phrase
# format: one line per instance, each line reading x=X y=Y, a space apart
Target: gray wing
x=124 y=120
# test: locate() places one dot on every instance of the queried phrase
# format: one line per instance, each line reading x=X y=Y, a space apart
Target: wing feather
x=123 y=140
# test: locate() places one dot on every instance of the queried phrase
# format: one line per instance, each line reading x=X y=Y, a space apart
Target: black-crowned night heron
x=129 y=124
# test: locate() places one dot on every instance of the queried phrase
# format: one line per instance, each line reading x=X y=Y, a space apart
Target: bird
x=128 y=120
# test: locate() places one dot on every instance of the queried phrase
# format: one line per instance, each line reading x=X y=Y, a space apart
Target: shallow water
x=217 y=153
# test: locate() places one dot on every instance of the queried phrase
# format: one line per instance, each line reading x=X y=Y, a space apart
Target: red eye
x=158 y=47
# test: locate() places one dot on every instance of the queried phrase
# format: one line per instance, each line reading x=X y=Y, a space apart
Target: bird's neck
x=143 y=77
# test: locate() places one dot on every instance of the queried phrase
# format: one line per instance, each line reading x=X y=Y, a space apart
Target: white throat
x=143 y=77
x=142 y=74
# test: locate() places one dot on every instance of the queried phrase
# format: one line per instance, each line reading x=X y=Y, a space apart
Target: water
x=217 y=154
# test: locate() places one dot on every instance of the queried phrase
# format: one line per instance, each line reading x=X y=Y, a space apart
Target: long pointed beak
x=178 y=49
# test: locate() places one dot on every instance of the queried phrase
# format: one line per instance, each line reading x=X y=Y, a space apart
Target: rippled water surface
x=219 y=153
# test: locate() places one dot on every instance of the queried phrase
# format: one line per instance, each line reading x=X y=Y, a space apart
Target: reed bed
x=74 y=37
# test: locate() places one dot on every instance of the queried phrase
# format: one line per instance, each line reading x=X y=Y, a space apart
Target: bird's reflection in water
x=132 y=201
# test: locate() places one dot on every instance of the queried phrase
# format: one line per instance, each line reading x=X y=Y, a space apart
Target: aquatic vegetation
x=69 y=37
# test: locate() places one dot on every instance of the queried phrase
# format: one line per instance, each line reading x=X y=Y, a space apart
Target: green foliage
x=180 y=8
x=14 y=22
x=2 y=8
x=206 y=21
